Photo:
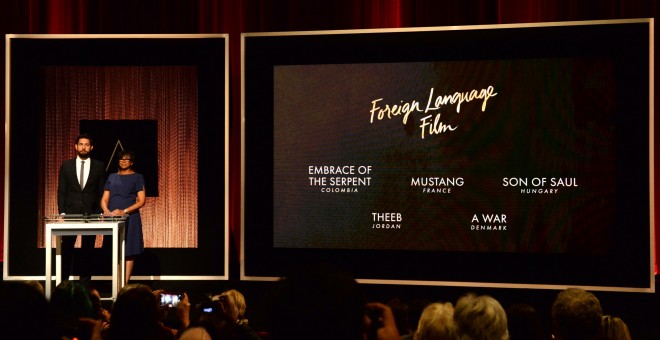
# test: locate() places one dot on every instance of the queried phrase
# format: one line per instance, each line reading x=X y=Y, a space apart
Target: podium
x=95 y=224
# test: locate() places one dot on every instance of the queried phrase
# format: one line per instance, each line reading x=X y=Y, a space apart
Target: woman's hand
x=117 y=212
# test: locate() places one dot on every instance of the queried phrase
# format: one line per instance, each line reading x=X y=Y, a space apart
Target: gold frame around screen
x=650 y=21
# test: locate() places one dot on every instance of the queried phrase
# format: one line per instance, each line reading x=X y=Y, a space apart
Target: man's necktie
x=82 y=174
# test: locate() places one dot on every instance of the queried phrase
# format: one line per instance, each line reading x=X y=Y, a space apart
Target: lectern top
x=84 y=218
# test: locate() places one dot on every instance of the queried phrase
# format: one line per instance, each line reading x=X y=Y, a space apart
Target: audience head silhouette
x=70 y=302
x=318 y=302
x=401 y=312
x=436 y=322
x=524 y=322
x=480 y=317
x=24 y=312
x=233 y=301
x=136 y=315
x=576 y=314
x=615 y=329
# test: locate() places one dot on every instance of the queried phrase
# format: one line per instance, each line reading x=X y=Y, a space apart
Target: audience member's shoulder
x=524 y=322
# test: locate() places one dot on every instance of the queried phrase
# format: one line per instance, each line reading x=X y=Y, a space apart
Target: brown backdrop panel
x=165 y=94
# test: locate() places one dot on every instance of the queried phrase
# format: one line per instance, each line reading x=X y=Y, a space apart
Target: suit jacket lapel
x=73 y=175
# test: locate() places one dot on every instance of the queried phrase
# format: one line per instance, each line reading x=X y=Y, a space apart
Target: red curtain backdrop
x=236 y=17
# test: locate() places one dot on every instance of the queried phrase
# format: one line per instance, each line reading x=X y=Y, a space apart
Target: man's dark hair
x=576 y=314
x=85 y=136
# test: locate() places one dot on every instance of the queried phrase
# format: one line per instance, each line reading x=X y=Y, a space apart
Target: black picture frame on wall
x=624 y=264
x=27 y=55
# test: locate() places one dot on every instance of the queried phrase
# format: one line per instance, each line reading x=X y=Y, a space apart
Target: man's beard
x=83 y=154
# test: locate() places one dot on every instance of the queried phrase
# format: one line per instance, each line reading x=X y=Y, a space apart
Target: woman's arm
x=104 y=202
x=139 y=202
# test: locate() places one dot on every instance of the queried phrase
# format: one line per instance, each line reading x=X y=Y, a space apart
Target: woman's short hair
x=121 y=154
x=436 y=322
x=480 y=317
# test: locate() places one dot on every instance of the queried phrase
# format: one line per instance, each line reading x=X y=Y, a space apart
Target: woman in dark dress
x=124 y=195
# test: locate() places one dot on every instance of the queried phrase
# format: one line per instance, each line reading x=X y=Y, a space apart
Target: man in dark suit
x=76 y=198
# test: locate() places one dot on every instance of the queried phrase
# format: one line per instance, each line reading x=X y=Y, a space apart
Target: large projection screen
x=165 y=97
x=495 y=156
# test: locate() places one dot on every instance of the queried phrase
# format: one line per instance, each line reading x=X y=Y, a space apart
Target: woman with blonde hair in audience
x=233 y=303
x=436 y=322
